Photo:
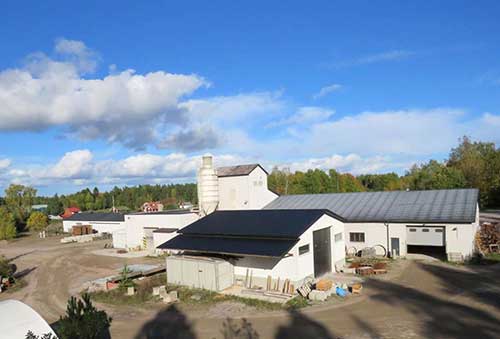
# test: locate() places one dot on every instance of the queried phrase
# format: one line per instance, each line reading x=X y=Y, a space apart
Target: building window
x=338 y=237
x=413 y=229
x=425 y=230
x=357 y=237
x=438 y=230
x=303 y=249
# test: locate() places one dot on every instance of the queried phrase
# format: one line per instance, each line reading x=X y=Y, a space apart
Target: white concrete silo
x=208 y=187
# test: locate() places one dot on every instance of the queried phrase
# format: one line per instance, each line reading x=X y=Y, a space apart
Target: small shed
x=200 y=272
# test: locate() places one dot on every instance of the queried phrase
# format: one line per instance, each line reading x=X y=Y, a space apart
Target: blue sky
x=121 y=93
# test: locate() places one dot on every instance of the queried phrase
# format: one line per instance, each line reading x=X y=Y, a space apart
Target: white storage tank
x=208 y=187
x=208 y=273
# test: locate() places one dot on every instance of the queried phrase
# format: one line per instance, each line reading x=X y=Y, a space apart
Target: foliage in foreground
x=83 y=320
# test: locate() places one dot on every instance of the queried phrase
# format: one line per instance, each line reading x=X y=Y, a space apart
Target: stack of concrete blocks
x=167 y=298
x=130 y=290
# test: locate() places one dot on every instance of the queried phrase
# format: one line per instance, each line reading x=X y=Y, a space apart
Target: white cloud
x=324 y=91
x=389 y=132
x=4 y=164
x=305 y=116
x=351 y=163
x=125 y=107
x=392 y=55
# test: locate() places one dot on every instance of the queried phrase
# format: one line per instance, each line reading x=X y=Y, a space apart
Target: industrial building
x=100 y=222
x=400 y=222
x=266 y=235
x=285 y=244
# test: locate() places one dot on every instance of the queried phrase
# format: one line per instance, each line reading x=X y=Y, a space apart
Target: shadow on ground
x=438 y=312
x=301 y=326
x=169 y=323
x=441 y=316
x=480 y=283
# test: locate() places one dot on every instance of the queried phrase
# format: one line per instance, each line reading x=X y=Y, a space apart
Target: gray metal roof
x=232 y=171
x=433 y=206
x=97 y=216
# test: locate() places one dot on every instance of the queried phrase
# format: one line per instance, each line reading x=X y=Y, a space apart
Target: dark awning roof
x=432 y=206
x=91 y=216
x=230 y=245
x=289 y=224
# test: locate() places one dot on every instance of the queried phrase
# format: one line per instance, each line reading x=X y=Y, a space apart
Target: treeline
x=126 y=198
x=469 y=165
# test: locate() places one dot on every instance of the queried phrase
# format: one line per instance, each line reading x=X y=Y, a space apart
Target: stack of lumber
x=364 y=270
x=488 y=235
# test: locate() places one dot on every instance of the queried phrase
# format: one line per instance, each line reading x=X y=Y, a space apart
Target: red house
x=69 y=211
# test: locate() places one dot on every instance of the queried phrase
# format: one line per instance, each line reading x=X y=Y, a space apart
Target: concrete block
x=316 y=295
x=156 y=290
x=130 y=290
x=173 y=295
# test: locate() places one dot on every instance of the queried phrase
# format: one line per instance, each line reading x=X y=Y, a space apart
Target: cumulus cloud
x=80 y=167
x=204 y=137
x=324 y=91
x=125 y=107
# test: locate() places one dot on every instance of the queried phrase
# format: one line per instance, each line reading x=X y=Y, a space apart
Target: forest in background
x=469 y=165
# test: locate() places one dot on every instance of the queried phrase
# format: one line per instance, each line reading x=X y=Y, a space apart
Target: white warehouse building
x=248 y=225
x=279 y=244
x=400 y=222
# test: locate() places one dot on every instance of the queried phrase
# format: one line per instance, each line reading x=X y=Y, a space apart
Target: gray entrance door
x=395 y=245
x=322 y=252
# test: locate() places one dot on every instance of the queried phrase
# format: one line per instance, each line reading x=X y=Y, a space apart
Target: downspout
x=388 y=254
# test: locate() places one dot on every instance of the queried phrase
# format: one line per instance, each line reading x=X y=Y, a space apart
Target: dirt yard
x=427 y=299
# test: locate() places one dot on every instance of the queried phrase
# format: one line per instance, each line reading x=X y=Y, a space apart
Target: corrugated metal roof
x=289 y=224
x=452 y=206
x=232 y=171
x=91 y=216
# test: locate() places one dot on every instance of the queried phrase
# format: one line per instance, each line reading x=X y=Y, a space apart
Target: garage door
x=425 y=236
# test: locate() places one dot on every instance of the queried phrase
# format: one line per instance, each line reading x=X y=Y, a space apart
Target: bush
x=6 y=269
x=7 y=225
x=83 y=321
x=37 y=221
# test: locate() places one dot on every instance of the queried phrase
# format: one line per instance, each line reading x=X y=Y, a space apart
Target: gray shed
x=208 y=273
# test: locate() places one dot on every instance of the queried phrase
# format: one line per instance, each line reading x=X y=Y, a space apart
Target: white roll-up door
x=425 y=235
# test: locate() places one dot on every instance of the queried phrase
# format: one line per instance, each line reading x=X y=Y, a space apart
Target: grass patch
x=211 y=298
x=188 y=296
x=143 y=295
x=297 y=302
x=488 y=259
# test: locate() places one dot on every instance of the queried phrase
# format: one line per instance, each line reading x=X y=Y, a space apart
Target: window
x=357 y=237
x=425 y=230
x=413 y=229
x=438 y=230
x=338 y=237
x=303 y=249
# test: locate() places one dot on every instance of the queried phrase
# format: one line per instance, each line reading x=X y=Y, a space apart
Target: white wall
x=135 y=224
x=99 y=226
x=294 y=267
x=245 y=191
x=459 y=238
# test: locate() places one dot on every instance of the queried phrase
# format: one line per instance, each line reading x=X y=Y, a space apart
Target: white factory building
x=238 y=224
